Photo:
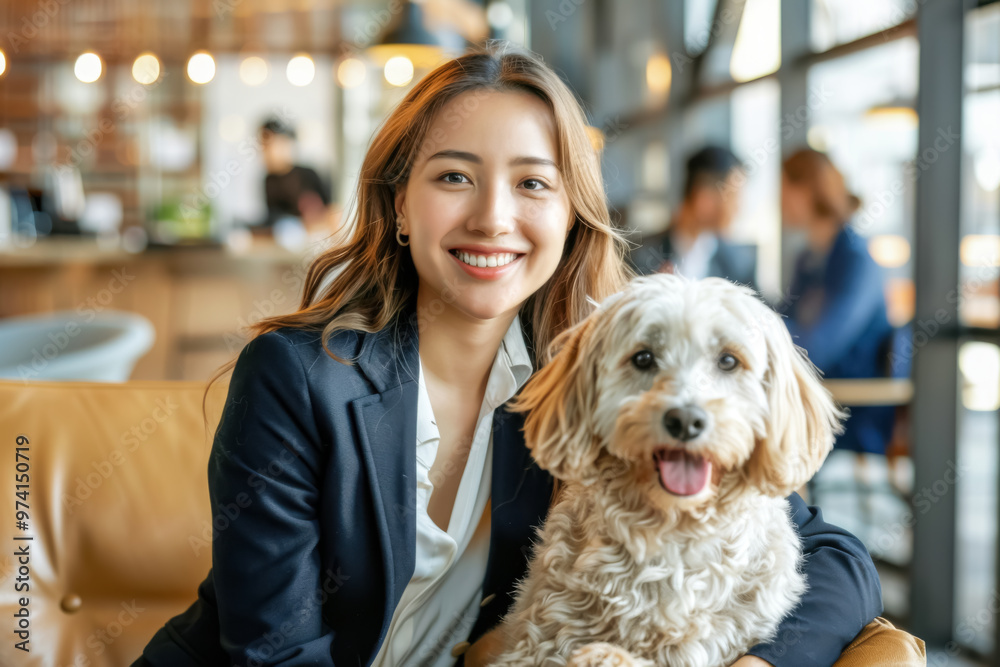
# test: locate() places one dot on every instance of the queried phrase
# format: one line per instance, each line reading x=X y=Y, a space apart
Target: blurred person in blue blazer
x=694 y=243
x=836 y=306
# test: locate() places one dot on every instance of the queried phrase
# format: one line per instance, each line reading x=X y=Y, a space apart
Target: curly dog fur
x=644 y=561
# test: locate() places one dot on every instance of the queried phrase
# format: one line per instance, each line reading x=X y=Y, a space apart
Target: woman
x=334 y=550
x=836 y=307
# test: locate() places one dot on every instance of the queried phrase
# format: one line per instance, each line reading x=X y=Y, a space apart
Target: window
x=839 y=21
x=979 y=355
x=862 y=115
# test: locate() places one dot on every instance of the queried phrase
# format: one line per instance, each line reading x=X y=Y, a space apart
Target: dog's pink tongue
x=683 y=473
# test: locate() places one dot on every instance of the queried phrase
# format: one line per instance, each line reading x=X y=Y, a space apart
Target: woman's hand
x=486 y=649
x=751 y=661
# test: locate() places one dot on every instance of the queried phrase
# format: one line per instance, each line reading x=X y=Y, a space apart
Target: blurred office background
x=136 y=240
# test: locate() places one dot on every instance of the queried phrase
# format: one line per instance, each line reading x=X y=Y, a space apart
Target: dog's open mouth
x=682 y=473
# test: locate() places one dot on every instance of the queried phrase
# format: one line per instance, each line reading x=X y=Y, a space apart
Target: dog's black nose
x=685 y=423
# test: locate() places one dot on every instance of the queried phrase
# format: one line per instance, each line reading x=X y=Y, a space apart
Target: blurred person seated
x=694 y=243
x=291 y=190
x=836 y=307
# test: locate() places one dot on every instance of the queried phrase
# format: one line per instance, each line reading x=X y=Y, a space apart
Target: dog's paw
x=600 y=654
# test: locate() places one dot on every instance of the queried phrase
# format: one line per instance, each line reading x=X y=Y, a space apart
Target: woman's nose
x=494 y=212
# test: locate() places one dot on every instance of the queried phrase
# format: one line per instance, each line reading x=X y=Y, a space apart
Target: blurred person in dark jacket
x=694 y=244
x=291 y=190
x=836 y=306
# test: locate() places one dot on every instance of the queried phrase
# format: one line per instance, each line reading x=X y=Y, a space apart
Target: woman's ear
x=803 y=419
x=399 y=199
x=559 y=400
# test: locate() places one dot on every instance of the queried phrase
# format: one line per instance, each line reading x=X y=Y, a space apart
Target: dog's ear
x=559 y=400
x=803 y=417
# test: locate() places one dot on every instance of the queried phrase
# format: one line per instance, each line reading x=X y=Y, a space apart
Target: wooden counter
x=199 y=299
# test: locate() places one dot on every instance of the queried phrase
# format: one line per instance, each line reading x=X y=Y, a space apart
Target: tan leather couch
x=117 y=507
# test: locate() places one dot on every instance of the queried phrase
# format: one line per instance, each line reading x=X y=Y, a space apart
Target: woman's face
x=485 y=206
x=796 y=204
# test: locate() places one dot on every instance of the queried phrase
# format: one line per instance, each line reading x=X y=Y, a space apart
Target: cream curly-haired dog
x=678 y=416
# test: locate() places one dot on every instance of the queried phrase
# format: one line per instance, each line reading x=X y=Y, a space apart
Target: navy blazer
x=837 y=311
x=312 y=481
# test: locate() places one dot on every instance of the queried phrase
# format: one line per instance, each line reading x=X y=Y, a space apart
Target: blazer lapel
x=387 y=432
x=520 y=501
x=386 y=426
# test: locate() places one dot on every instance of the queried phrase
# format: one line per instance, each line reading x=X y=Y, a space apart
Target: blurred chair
x=117 y=508
x=66 y=346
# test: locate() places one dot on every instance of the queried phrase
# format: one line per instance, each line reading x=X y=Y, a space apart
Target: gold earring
x=399 y=234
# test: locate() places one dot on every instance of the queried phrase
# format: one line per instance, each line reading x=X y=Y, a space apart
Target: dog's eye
x=728 y=362
x=643 y=360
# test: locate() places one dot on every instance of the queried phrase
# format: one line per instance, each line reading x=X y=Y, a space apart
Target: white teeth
x=499 y=259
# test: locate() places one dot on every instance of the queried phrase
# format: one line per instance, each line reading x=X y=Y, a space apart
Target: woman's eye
x=643 y=360
x=728 y=362
x=450 y=178
x=538 y=185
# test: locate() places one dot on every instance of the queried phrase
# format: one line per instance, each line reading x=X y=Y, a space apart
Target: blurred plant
x=174 y=220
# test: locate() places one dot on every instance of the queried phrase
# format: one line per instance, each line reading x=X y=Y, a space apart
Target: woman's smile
x=486 y=263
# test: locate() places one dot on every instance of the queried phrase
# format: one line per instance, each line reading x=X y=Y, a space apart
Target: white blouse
x=441 y=602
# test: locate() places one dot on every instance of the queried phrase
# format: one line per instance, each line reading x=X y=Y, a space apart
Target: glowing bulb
x=301 y=70
x=351 y=73
x=658 y=74
x=889 y=250
x=88 y=67
x=398 y=70
x=146 y=69
x=253 y=71
x=201 y=67
x=3 y=62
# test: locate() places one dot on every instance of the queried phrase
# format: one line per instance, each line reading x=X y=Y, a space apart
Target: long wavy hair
x=371 y=278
